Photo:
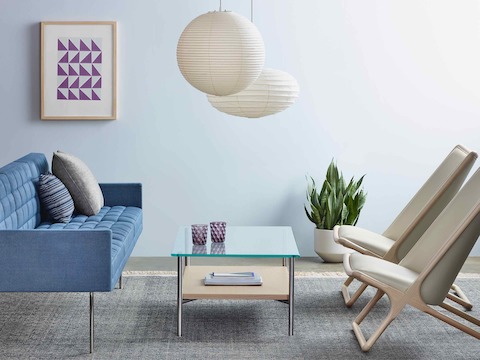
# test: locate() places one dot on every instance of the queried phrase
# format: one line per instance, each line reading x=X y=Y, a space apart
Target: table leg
x=284 y=262
x=179 y=294
x=291 y=295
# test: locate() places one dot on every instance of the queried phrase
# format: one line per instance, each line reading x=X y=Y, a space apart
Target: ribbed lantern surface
x=272 y=92
x=220 y=53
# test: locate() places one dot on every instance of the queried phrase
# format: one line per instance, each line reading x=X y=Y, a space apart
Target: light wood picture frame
x=78 y=70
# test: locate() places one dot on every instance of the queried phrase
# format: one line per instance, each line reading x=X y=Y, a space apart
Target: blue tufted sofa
x=87 y=254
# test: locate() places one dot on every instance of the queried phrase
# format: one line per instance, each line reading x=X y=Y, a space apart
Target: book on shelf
x=233 y=274
x=233 y=279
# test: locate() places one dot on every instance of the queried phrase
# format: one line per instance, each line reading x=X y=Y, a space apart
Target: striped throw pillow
x=55 y=198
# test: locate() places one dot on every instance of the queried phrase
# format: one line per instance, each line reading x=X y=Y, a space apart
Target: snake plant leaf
x=318 y=217
x=308 y=214
x=360 y=181
x=338 y=209
x=315 y=200
x=329 y=217
x=313 y=185
x=344 y=215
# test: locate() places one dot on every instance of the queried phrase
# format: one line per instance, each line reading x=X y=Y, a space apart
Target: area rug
x=139 y=322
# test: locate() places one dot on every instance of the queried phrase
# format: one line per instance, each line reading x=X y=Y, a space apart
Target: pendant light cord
x=251 y=11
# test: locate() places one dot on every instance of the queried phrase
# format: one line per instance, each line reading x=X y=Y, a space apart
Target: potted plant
x=337 y=203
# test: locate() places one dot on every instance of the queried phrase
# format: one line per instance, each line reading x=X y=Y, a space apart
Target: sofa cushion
x=55 y=198
x=124 y=222
x=19 y=202
x=80 y=182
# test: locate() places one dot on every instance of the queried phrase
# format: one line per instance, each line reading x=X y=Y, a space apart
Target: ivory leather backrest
x=431 y=199
x=447 y=243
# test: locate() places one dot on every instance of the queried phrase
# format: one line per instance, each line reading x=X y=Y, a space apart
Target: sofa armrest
x=127 y=194
x=55 y=260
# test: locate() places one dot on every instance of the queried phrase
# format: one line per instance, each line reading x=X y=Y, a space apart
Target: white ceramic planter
x=327 y=248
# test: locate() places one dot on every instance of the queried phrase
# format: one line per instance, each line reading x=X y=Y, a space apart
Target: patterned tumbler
x=217 y=231
x=199 y=234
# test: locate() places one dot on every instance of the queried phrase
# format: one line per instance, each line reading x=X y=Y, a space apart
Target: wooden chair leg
x=350 y=300
x=360 y=317
x=345 y=292
x=458 y=296
x=395 y=309
x=453 y=322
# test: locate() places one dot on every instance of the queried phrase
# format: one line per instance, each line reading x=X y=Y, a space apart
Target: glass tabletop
x=240 y=241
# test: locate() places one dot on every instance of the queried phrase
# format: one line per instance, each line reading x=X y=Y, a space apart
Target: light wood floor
x=304 y=264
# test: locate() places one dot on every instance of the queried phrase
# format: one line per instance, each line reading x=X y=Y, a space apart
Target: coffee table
x=240 y=242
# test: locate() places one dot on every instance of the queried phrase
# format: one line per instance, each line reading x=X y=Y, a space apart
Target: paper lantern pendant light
x=272 y=92
x=220 y=53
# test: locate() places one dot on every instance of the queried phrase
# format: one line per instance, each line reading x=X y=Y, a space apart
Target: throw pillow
x=80 y=182
x=55 y=198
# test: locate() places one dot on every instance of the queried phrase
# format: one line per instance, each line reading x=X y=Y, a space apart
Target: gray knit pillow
x=55 y=198
x=80 y=182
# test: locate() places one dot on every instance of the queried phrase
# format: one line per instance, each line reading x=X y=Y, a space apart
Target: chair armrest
x=127 y=194
x=55 y=260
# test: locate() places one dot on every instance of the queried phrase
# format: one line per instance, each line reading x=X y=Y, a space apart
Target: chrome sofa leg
x=91 y=323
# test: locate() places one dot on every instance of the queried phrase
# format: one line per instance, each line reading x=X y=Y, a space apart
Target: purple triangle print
x=83 y=47
x=60 y=71
x=87 y=59
x=75 y=84
x=71 y=46
x=95 y=47
x=98 y=84
x=64 y=84
x=76 y=59
x=94 y=96
x=60 y=96
x=83 y=72
x=61 y=46
x=95 y=71
x=87 y=84
x=71 y=71
x=98 y=60
x=83 y=96
x=64 y=59
x=71 y=96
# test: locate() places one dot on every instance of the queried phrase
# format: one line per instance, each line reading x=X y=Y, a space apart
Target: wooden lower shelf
x=275 y=283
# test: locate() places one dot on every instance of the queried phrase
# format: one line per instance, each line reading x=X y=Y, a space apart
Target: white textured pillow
x=79 y=181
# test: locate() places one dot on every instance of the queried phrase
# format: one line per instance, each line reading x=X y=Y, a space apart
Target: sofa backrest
x=19 y=202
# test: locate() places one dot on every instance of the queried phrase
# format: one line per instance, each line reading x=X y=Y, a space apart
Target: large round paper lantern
x=272 y=92
x=220 y=53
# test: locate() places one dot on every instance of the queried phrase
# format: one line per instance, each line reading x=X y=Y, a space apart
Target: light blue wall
x=387 y=88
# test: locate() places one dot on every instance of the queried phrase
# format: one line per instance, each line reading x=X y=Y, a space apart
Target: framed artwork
x=78 y=70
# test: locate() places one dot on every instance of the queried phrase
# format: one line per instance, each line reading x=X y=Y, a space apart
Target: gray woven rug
x=139 y=322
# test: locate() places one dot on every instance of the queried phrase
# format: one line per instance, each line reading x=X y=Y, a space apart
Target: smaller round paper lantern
x=220 y=53
x=272 y=92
